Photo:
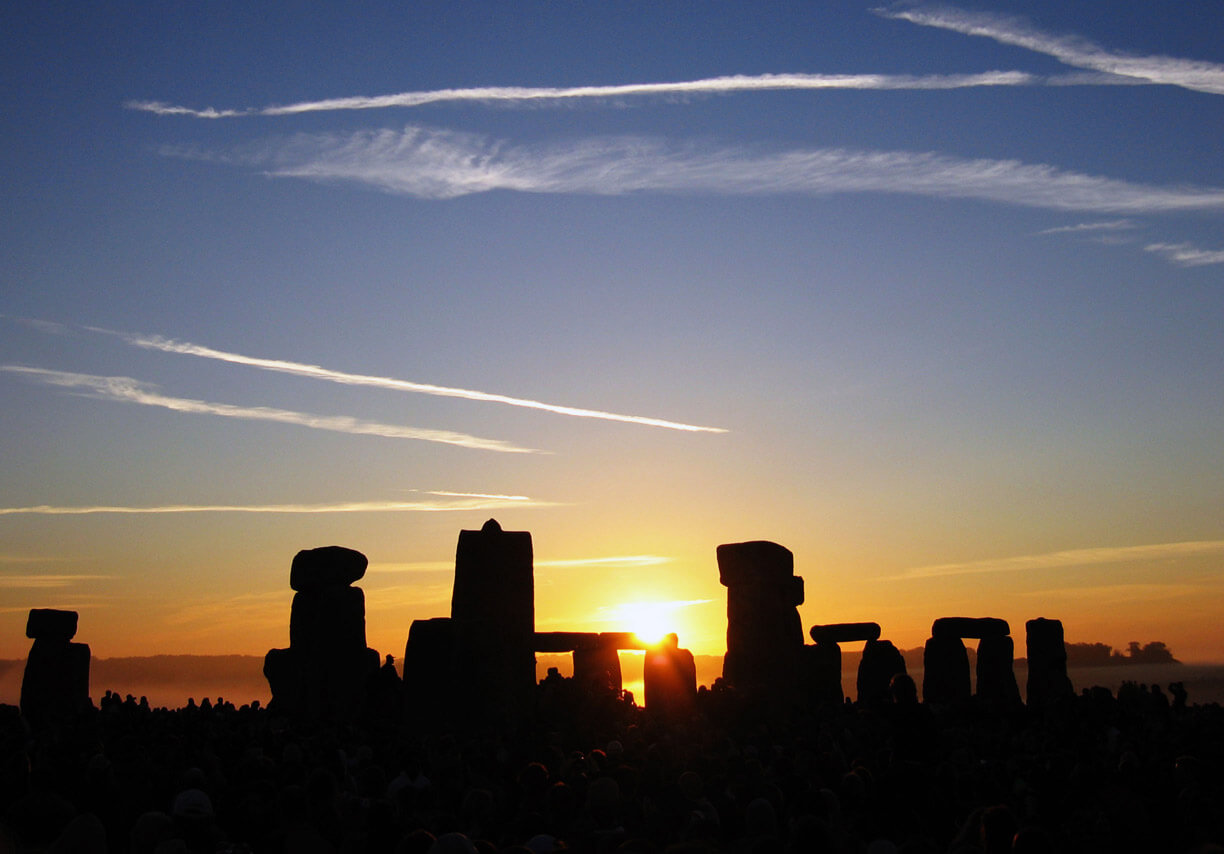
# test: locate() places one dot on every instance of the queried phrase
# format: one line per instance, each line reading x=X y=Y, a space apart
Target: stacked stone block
x=55 y=687
x=764 y=633
x=326 y=670
x=946 y=662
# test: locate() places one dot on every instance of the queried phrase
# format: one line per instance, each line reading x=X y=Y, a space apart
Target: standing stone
x=996 y=674
x=597 y=668
x=945 y=676
x=327 y=669
x=821 y=674
x=764 y=633
x=493 y=603
x=881 y=661
x=55 y=686
x=670 y=677
x=1047 y=663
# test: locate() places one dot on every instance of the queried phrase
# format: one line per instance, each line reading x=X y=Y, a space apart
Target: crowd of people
x=1137 y=771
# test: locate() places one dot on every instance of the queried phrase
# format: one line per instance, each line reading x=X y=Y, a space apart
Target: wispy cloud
x=1068 y=49
x=1093 y=227
x=552 y=94
x=45 y=582
x=1118 y=594
x=128 y=390
x=1187 y=255
x=486 y=503
x=166 y=345
x=440 y=164
x=1070 y=557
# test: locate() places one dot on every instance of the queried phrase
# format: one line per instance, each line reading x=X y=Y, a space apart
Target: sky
x=931 y=295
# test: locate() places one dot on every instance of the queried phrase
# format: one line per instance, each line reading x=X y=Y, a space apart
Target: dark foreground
x=1133 y=771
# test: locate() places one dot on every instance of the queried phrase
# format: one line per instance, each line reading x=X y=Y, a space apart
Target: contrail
x=1070 y=50
x=156 y=342
x=522 y=94
x=128 y=390
x=349 y=507
x=1070 y=557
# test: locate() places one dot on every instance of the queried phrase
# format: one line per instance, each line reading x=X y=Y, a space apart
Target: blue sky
x=929 y=294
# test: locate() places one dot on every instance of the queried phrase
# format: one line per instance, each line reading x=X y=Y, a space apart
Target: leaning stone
x=845 y=632
x=754 y=562
x=328 y=566
x=50 y=624
x=881 y=661
x=969 y=627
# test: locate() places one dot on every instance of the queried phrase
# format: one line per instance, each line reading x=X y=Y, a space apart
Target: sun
x=649 y=621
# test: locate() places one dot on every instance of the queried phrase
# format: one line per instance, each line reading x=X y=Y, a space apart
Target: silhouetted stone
x=55 y=685
x=996 y=674
x=1047 y=662
x=764 y=634
x=327 y=669
x=821 y=671
x=495 y=588
x=845 y=632
x=598 y=667
x=429 y=657
x=50 y=624
x=969 y=627
x=881 y=661
x=945 y=676
x=670 y=677
x=328 y=618
x=327 y=566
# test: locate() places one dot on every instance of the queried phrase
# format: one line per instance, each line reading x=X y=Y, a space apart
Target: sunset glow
x=930 y=296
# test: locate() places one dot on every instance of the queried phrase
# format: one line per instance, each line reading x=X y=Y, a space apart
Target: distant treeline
x=1099 y=654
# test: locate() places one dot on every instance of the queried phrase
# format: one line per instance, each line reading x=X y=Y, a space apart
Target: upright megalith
x=493 y=607
x=670 y=680
x=327 y=668
x=764 y=633
x=945 y=670
x=881 y=662
x=1047 y=663
x=55 y=687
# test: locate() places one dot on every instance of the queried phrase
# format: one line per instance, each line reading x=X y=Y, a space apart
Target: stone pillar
x=55 y=686
x=493 y=605
x=996 y=674
x=670 y=677
x=945 y=671
x=326 y=669
x=597 y=668
x=880 y=663
x=1047 y=663
x=764 y=633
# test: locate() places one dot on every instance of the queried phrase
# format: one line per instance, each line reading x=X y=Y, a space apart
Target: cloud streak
x=552 y=94
x=128 y=390
x=485 y=503
x=439 y=164
x=1074 y=51
x=45 y=582
x=1092 y=227
x=1068 y=558
x=166 y=345
x=1186 y=255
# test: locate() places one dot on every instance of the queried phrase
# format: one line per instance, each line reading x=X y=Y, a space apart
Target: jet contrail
x=128 y=390
x=156 y=342
x=521 y=94
x=517 y=501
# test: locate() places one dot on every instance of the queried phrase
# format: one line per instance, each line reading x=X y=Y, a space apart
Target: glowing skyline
x=930 y=295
